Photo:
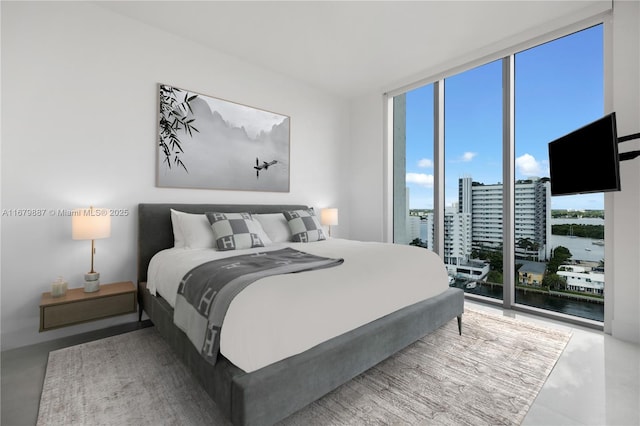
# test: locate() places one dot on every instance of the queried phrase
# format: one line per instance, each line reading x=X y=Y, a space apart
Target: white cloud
x=468 y=156
x=528 y=166
x=420 y=179
x=425 y=163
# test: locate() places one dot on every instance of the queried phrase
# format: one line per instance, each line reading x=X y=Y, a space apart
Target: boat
x=587 y=249
x=471 y=284
x=598 y=242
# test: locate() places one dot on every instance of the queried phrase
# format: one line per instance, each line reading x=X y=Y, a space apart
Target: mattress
x=281 y=316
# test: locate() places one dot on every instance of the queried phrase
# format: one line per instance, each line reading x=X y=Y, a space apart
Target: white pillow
x=178 y=237
x=196 y=230
x=193 y=230
x=275 y=226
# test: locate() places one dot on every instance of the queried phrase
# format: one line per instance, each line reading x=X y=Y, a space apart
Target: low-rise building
x=580 y=278
x=531 y=273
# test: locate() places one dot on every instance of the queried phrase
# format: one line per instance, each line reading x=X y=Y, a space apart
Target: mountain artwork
x=206 y=142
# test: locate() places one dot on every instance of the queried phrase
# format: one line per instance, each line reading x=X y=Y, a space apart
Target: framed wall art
x=206 y=142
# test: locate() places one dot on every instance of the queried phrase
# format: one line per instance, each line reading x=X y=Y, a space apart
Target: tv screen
x=586 y=160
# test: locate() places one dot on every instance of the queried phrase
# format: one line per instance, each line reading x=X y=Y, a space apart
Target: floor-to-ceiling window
x=413 y=172
x=473 y=176
x=554 y=252
x=559 y=254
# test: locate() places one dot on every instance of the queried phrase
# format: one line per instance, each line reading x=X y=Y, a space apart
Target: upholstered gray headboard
x=155 y=232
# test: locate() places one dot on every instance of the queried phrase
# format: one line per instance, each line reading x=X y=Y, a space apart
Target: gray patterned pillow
x=234 y=231
x=305 y=226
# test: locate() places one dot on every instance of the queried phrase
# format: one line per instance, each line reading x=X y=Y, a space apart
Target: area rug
x=488 y=376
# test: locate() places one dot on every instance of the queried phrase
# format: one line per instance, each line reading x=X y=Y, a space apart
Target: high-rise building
x=457 y=237
x=457 y=243
x=413 y=228
x=532 y=215
x=532 y=218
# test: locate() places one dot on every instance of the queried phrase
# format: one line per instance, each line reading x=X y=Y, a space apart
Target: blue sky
x=559 y=88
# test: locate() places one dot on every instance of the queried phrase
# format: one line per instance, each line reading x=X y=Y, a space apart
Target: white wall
x=366 y=181
x=79 y=113
x=623 y=208
x=625 y=205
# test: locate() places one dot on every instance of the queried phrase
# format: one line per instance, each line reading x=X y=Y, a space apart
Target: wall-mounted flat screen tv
x=586 y=160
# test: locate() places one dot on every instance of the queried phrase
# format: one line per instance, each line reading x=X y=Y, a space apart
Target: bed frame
x=272 y=393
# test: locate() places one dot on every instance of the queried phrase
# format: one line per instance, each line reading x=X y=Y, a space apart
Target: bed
x=266 y=391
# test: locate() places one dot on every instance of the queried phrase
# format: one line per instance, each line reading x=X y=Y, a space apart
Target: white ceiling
x=349 y=48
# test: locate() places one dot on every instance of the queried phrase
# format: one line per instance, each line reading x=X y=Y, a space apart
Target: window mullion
x=438 y=167
x=508 y=179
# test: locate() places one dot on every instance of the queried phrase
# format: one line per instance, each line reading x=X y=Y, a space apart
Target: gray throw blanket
x=205 y=292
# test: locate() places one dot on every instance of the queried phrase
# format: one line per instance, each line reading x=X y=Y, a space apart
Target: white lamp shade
x=90 y=224
x=329 y=217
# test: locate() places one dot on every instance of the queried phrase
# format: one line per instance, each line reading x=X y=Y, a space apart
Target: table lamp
x=329 y=217
x=90 y=224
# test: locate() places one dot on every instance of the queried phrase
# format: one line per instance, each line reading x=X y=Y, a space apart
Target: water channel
x=582 y=249
x=579 y=308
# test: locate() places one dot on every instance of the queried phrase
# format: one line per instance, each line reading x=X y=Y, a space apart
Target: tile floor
x=595 y=382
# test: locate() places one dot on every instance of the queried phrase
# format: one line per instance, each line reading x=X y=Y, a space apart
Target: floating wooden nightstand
x=77 y=307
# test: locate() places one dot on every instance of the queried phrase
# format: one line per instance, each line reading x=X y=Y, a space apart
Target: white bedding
x=284 y=315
